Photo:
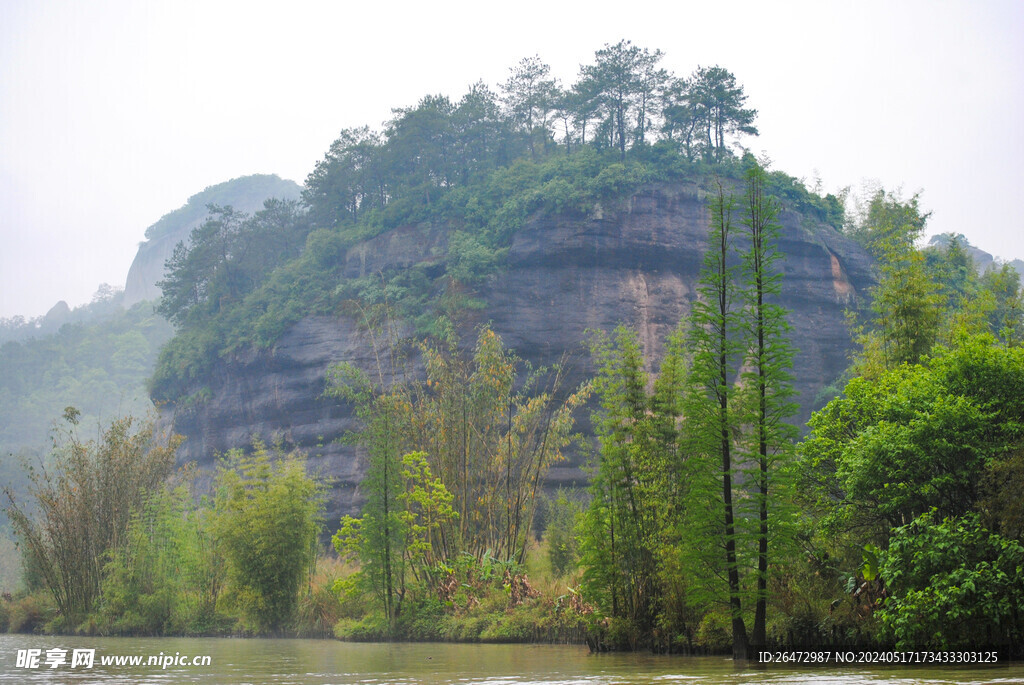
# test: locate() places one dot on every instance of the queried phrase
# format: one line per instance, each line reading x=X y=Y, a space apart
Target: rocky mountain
x=245 y=194
x=983 y=261
x=636 y=263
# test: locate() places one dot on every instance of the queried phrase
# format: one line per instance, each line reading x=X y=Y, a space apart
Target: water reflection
x=322 y=662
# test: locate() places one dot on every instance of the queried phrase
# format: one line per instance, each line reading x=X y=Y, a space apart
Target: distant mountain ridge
x=245 y=194
x=982 y=260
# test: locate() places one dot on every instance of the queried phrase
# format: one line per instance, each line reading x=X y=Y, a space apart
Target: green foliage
x=456 y=461
x=167 y=577
x=236 y=562
x=737 y=516
x=922 y=462
x=1006 y=317
x=953 y=584
x=973 y=303
x=372 y=627
x=493 y=428
x=226 y=257
x=469 y=260
x=715 y=632
x=635 y=490
x=320 y=606
x=767 y=392
x=478 y=601
x=884 y=222
x=296 y=288
x=719 y=107
x=907 y=304
x=405 y=518
x=31 y=613
x=792 y=192
x=919 y=437
x=379 y=539
x=529 y=96
x=476 y=170
x=488 y=433
x=563 y=518
x=428 y=511
x=953 y=270
x=81 y=506
x=710 y=406
x=1001 y=505
x=266 y=519
x=100 y=367
x=907 y=313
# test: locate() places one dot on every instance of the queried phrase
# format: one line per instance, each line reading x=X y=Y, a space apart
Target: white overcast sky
x=113 y=113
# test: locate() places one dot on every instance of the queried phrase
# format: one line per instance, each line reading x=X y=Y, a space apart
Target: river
x=301 y=662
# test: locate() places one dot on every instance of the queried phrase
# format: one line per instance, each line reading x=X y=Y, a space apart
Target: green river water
x=300 y=662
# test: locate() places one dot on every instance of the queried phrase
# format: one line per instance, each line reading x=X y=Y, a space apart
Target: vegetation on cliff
x=705 y=517
x=475 y=170
x=707 y=526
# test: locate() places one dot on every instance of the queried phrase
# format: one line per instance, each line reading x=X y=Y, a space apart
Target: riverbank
x=470 y=607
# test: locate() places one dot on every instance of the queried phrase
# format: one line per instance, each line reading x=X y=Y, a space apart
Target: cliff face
x=245 y=194
x=637 y=265
x=147 y=268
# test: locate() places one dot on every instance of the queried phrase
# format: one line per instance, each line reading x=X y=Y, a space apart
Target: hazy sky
x=114 y=113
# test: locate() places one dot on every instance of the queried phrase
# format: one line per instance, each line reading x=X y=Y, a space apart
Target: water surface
x=307 y=662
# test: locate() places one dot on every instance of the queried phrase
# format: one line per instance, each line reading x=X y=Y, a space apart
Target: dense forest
x=712 y=521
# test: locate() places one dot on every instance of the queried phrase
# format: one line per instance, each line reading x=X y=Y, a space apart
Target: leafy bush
x=266 y=516
x=373 y=627
x=165 y=578
x=715 y=632
x=953 y=584
x=31 y=613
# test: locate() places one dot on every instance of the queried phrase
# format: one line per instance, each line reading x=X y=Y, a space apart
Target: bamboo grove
x=457 y=462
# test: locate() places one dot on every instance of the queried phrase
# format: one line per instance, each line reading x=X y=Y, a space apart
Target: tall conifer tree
x=716 y=349
x=767 y=384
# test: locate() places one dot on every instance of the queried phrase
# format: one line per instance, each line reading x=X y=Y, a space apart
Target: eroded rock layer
x=637 y=264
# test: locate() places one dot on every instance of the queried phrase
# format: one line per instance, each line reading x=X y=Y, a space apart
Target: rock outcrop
x=983 y=261
x=245 y=194
x=637 y=264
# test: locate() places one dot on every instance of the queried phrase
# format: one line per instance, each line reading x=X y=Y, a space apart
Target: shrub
x=267 y=517
x=953 y=584
x=31 y=613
